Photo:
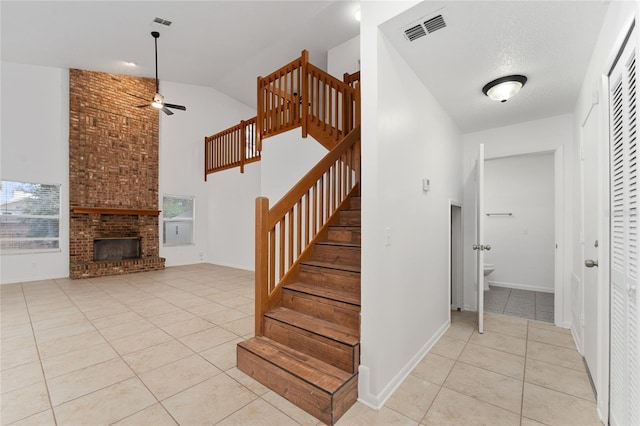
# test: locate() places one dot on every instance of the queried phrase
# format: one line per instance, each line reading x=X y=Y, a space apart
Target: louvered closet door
x=625 y=340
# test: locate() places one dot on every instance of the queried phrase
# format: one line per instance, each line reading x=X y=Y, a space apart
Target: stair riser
x=330 y=278
x=349 y=218
x=314 y=401
x=329 y=310
x=344 y=236
x=335 y=353
x=337 y=254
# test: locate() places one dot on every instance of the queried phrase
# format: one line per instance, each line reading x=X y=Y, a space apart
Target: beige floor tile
x=190 y=326
x=460 y=331
x=155 y=415
x=299 y=415
x=127 y=329
x=68 y=344
x=548 y=326
x=493 y=388
x=433 y=368
x=556 y=408
x=107 y=405
x=154 y=308
x=224 y=316
x=558 y=378
x=44 y=418
x=171 y=318
x=157 y=356
x=493 y=360
x=505 y=318
x=17 y=354
x=110 y=310
x=453 y=408
x=116 y=319
x=449 y=348
x=255 y=413
x=551 y=337
x=241 y=326
x=89 y=379
x=208 y=338
x=24 y=402
x=224 y=355
x=18 y=330
x=508 y=328
x=361 y=415
x=234 y=301
x=177 y=376
x=78 y=359
x=21 y=376
x=247 y=381
x=565 y=357
x=187 y=300
x=413 y=397
x=43 y=336
x=501 y=342
x=528 y=422
x=215 y=398
x=203 y=310
x=139 y=341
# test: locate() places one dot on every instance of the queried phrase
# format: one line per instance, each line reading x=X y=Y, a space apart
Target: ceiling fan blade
x=167 y=111
x=142 y=106
x=136 y=96
x=174 y=106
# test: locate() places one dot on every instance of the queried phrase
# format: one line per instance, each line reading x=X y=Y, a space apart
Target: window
x=177 y=223
x=29 y=217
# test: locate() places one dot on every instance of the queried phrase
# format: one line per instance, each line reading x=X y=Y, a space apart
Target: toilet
x=488 y=268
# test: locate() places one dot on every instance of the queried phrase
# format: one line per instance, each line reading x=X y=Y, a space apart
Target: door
x=456 y=257
x=591 y=200
x=624 y=376
x=479 y=246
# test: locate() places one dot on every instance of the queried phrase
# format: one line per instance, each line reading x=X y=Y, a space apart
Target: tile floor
x=158 y=348
x=534 y=305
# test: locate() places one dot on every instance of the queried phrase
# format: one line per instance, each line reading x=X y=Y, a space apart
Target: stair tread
x=325 y=292
x=312 y=370
x=336 y=243
x=330 y=330
x=338 y=266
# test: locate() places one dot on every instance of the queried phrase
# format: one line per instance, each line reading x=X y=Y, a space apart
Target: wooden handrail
x=286 y=232
x=233 y=147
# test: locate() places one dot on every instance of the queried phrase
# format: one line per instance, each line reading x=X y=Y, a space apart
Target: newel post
x=304 y=72
x=262 y=261
x=259 y=115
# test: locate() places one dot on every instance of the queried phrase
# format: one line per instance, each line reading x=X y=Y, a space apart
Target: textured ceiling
x=548 y=41
x=220 y=44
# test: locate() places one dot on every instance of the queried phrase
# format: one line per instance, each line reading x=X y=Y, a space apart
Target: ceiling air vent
x=415 y=32
x=434 y=24
x=161 y=21
x=426 y=25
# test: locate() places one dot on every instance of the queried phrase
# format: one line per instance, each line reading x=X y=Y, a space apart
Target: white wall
x=286 y=158
x=544 y=135
x=405 y=285
x=344 y=58
x=224 y=204
x=34 y=148
x=522 y=245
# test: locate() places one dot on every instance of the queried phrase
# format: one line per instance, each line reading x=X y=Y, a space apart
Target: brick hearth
x=113 y=164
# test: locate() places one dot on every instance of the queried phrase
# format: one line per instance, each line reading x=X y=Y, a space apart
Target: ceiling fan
x=158 y=99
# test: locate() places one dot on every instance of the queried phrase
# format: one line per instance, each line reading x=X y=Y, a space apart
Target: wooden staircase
x=309 y=350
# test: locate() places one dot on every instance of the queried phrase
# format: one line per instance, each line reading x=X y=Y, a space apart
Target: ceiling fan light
x=504 y=88
x=158 y=101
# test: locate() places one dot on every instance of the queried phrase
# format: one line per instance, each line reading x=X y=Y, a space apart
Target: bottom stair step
x=322 y=390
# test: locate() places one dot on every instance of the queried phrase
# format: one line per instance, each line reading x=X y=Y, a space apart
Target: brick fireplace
x=113 y=173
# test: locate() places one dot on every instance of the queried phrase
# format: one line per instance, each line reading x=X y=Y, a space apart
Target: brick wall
x=113 y=163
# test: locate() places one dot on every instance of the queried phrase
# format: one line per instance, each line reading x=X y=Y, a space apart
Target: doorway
x=455 y=256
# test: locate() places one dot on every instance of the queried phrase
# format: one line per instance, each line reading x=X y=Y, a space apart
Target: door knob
x=475 y=247
x=487 y=247
x=589 y=263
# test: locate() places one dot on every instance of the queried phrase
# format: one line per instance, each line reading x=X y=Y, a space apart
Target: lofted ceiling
x=220 y=44
x=227 y=44
x=550 y=42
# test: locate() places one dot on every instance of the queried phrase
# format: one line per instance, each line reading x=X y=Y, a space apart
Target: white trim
x=521 y=286
x=458 y=300
x=559 y=235
x=377 y=401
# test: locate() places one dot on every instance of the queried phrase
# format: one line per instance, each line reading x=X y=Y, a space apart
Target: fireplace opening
x=106 y=249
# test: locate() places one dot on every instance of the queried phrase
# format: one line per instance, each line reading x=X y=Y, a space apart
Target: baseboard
x=521 y=286
x=377 y=401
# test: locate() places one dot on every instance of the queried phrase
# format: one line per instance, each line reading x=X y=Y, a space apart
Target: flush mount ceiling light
x=504 y=88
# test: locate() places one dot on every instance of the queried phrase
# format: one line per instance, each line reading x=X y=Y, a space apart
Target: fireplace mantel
x=116 y=211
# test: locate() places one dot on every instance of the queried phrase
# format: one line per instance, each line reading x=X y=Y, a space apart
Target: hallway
x=158 y=348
